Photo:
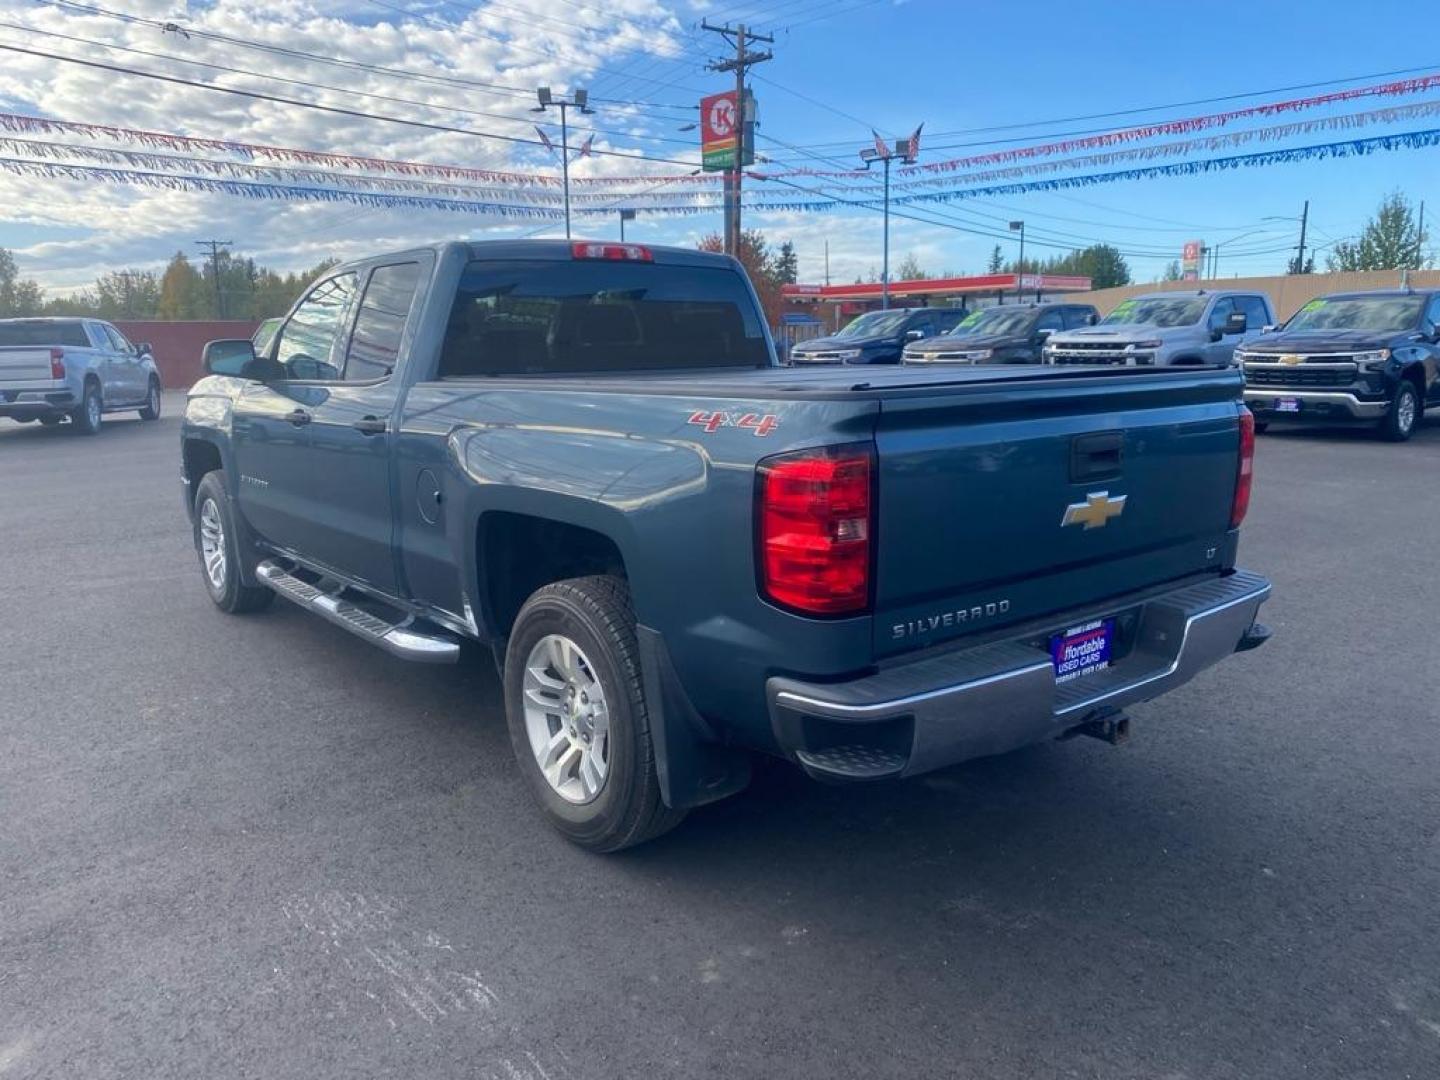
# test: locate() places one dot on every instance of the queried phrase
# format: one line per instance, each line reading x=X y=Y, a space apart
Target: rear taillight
x=815 y=526
x=57 y=363
x=1245 y=473
x=583 y=249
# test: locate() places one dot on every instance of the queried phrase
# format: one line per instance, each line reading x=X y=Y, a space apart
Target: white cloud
x=621 y=48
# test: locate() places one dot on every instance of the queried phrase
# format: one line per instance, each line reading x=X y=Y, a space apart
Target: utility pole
x=625 y=215
x=1019 y=226
x=744 y=59
x=1420 y=237
x=580 y=99
x=827 y=262
x=1304 y=220
x=215 y=246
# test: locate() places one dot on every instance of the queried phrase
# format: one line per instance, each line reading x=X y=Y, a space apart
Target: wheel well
x=1416 y=374
x=518 y=554
x=91 y=377
x=199 y=457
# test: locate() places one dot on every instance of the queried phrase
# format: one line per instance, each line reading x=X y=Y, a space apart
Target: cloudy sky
x=977 y=78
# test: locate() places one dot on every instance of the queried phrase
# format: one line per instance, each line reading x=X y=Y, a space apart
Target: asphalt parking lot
x=258 y=847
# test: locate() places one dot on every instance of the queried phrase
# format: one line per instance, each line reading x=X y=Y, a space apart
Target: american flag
x=545 y=139
x=585 y=147
x=880 y=147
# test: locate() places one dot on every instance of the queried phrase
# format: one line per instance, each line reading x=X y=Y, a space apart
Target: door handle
x=298 y=417
x=370 y=425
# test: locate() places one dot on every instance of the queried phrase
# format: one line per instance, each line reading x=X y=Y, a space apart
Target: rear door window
x=117 y=339
x=1256 y=315
x=553 y=316
x=1050 y=320
x=1076 y=317
x=380 y=323
x=43 y=332
x=1220 y=312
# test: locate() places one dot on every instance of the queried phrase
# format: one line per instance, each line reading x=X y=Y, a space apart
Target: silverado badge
x=1290 y=358
x=1097 y=509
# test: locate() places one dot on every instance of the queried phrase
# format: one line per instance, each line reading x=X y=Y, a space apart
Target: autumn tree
x=182 y=291
x=758 y=261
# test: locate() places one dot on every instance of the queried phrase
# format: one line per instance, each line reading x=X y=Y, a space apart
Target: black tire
x=1395 y=428
x=86 y=419
x=151 y=409
x=229 y=593
x=594 y=612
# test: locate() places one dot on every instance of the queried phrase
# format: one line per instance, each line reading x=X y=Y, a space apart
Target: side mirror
x=914 y=335
x=144 y=349
x=1269 y=328
x=229 y=356
x=1091 y=319
x=1236 y=323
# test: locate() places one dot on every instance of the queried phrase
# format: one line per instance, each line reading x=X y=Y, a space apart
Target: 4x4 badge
x=1097 y=509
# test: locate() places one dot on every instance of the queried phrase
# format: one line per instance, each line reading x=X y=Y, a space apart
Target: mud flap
x=692 y=766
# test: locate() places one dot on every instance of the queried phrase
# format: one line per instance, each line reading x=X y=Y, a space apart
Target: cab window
x=1220 y=312
x=1050 y=320
x=117 y=339
x=306 y=347
x=380 y=323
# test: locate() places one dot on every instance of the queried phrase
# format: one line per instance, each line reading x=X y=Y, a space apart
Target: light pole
x=1215 y=251
x=579 y=100
x=905 y=151
x=1020 y=266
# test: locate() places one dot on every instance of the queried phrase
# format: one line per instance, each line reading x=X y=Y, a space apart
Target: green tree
x=1391 y=240
x=787 y=264
x=1101 y=263
x=909 y=269
x=1172 y=271
x=18 y=296
x=126 y=294
x=997 y=261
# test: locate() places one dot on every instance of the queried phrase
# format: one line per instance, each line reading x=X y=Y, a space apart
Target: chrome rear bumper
x=986 y=699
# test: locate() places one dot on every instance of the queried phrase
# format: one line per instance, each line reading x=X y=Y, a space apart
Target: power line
x=323 y=86
x=332 y=109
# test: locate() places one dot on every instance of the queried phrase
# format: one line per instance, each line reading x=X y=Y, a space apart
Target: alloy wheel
x=566 y=719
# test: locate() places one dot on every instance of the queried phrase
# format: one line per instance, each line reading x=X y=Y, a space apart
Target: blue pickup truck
x=584 y=458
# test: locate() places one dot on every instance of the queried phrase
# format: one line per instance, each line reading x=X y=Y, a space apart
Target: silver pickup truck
x=1161 y=329
x=51 y=369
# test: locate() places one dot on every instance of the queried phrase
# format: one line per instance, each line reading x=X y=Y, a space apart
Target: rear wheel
x=151 y=409
x=89 y=416
x=576 y=710
x=217 y=544
x=1399 y=423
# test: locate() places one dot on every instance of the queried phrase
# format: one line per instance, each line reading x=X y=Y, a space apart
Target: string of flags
x=173 y=181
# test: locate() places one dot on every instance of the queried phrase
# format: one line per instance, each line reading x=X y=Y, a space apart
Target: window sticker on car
x=971 y=319
x=1124 y=308
x=1313 y=305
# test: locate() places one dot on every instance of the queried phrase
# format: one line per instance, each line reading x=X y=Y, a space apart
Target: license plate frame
x=1082 y=650
x=1287 y=405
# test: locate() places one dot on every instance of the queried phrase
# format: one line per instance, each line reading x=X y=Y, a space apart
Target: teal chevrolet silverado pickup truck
x=585 y=458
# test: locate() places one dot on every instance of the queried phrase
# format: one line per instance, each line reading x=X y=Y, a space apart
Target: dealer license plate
x=1082 y=650
x=1287 y=404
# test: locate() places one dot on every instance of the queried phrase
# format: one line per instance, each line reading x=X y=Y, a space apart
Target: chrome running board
x=408 y=639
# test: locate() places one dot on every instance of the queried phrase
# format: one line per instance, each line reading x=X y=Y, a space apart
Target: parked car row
x=1356 y=357
x=76 y=369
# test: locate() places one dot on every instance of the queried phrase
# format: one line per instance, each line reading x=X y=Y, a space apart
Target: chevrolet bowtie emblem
x=1097 y=509
x=1291 y=358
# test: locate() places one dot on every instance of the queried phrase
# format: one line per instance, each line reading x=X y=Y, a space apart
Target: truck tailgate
x=1000 y=504
x=24 y=364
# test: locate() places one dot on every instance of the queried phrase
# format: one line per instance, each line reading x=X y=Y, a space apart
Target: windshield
x=1382 y=314
x=875 y=324
x=996 y=321
x=1157 y=311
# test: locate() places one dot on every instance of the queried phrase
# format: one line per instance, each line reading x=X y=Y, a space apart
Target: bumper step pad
x=851 y=763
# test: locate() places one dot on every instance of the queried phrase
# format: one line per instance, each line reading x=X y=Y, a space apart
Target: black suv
x=877 y=337
x=1002 y=335
x=1371 y=357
